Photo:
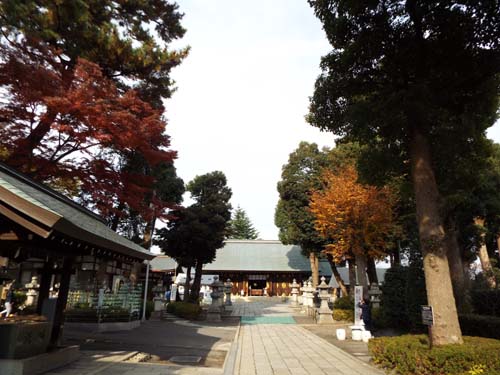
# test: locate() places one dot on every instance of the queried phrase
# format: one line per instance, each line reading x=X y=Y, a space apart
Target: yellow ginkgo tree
x=359 y=221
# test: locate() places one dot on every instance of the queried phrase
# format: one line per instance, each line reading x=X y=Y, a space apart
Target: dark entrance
x=256 y=285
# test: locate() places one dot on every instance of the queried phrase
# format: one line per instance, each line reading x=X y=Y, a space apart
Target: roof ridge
x=48 y=190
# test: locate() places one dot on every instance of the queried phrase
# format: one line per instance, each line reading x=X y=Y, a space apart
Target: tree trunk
x=148 y=234
x=372 y=270
x=361 y=272
x=187 y=285
x=352 y=277
x=484 y=256
x=337 y=276
x=313 y=259
x=460 y=287
x=195 y=289
x=22 y=155
x=446 y=329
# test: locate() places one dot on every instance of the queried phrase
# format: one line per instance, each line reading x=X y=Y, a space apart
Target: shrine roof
x=46 y=213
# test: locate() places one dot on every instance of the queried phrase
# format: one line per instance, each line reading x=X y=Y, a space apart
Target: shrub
x=18 y=298
x=343 y=314
x=480 y=325
x=344 y=303
x=403 y=292
x=411 y=355
x=184 y=310
x=486 y=302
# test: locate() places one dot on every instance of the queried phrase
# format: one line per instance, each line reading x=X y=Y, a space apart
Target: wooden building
x=43 y=232
x=256 y=267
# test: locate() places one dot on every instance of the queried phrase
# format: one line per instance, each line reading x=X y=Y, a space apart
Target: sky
x=242 y=94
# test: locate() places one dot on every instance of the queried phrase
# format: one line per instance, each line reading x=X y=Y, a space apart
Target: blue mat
x=267 y=320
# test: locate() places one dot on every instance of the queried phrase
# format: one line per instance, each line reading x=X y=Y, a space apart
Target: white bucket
x=340 y=334
x=367 y=335
x=357 y=335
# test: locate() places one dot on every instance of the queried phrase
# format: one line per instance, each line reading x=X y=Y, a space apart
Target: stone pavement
x=268 y=341
x=288 y=349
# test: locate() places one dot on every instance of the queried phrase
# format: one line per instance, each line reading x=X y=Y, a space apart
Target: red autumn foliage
x=73 y=128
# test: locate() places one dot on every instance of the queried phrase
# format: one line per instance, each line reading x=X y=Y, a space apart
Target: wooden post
x=62 y=299
x=46 y=278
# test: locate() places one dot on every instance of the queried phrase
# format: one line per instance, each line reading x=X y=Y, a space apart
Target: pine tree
x=240 y=226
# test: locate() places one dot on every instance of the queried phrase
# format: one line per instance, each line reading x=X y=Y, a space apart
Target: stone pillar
x=32 y=294
x=324 y=312
x=374 y=294
x=295 y=292
x=213 y=313
x=159 y=296
x=228 y=286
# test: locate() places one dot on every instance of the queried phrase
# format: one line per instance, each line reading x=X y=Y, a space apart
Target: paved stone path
x=288 y=349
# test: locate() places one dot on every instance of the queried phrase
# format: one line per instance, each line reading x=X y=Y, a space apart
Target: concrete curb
x=230 y=361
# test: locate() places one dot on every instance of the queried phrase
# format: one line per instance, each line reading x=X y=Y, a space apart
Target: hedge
x=343 y=314
x=480 y=325
x=184 y=310
x=411 y=355
x=344 y=303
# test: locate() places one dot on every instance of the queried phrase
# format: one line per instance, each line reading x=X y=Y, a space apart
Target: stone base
x=104 y=327
x=325 y=318
x=40 y=363
x=213 y=317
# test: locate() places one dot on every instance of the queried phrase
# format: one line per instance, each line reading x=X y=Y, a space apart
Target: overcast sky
x=242 y=95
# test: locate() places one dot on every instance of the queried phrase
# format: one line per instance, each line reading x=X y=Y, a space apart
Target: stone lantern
x=295 y=292
x=228 y=287
x=214 y=310
x=324 y=312
x=32 y=294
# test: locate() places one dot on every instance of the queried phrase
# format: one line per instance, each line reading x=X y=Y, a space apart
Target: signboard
x=427 y=315
x=358 y=295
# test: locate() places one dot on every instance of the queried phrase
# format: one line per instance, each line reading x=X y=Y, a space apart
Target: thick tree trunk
x=460 y=287
x=446 y=329
x=148 y=234
x=361 y=272
x=195 y=289
x=337 y=276
x=352 y=277
x=313 y=259
x=484 y=256
x=372 y=271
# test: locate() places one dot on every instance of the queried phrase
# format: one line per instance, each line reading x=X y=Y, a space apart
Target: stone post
x=213 y=313
x=324 y=312
x=228 y=287
x=374 y=294
x=159 y=296
x=295 y=292
x=32 y=294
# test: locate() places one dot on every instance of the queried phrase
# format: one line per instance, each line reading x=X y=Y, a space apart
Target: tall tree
x=200 y=229
x=240 y=226
x=299 y=177
x=411 y=73
x=358 y=221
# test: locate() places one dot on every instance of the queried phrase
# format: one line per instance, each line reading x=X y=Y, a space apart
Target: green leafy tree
x=200 y=229
x=411 y=74
x=299 y=177
x=240 y=226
